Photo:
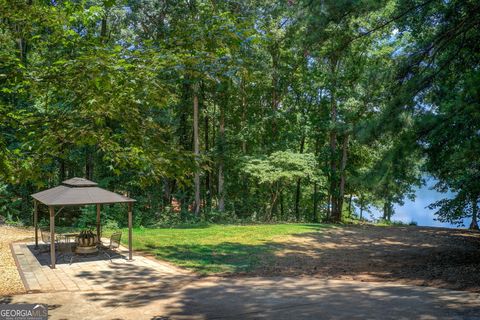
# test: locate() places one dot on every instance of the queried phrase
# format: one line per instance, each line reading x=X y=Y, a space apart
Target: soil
x=436 y=257
x=10 y=281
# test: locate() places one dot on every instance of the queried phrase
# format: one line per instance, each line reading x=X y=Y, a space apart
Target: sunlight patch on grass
x=216 y=248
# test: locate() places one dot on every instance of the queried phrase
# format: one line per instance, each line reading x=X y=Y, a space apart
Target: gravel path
x=9 y=278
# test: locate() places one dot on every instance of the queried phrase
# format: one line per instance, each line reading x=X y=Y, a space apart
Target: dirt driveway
x=279 y=298
x=436 y=257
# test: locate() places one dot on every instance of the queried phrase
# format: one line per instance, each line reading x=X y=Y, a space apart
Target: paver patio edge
x=19 y=270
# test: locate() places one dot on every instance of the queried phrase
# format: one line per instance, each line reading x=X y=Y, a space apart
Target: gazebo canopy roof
x=78 y=191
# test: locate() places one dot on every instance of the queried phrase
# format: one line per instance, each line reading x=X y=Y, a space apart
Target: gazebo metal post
x=130 y=231
x=35 y=221
x=52 y=236
x=98 y=223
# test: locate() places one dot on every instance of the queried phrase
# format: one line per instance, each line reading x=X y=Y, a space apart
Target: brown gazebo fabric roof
x=78 y=191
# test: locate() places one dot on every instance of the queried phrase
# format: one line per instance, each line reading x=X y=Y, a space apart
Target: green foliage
x=438 y=84
x=87 y=218
x=281 y=167
x=382 y=222
x=302 y=105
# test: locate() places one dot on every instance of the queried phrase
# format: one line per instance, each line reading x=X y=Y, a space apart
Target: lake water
x=417 y=210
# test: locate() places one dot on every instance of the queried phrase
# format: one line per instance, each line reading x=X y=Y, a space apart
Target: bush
x=87 y=219
x=10 y=220
x=168 y=218
x=383 y=222
x=215 y=216
x=110 y=225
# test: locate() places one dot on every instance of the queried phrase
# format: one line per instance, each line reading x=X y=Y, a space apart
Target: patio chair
x=112 y=249
x=65 y=249
x=45 y=239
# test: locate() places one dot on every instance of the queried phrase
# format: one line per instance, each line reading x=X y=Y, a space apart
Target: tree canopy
x=244 y=111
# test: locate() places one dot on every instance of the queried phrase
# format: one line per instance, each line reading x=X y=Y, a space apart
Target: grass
x=209 y=249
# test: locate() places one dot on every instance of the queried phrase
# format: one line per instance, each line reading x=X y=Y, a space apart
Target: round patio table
x=69 y=236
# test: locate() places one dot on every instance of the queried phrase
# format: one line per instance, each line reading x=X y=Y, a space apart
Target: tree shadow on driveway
x=308 y=298
x=292 y=279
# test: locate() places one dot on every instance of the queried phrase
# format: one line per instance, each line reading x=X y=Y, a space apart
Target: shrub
x=215 y=216
x=383 y=222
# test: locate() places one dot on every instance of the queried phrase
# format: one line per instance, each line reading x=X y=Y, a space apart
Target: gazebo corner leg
x=35 y=221
x=52 y=237
x=98 y=225
x=130 y=232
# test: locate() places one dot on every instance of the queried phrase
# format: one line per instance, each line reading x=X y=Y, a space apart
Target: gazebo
x=78 y=192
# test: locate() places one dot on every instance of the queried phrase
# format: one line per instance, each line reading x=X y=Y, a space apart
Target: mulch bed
x=10 y=281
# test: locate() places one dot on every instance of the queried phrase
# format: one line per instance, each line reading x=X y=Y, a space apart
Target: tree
x=438 y=83
x=183 y=104
x=277 y=171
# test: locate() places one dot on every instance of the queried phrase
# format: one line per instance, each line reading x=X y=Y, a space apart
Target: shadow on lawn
x=419 y=256
x=226 y=257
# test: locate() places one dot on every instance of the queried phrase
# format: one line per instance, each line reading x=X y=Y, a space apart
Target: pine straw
x=10 y=281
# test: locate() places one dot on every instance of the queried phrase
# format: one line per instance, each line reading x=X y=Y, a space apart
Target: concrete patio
x=90 y=272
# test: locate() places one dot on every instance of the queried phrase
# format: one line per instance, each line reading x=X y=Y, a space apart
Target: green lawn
x=216 y=248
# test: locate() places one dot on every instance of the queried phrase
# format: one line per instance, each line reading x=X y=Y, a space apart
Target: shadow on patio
x=42 y=254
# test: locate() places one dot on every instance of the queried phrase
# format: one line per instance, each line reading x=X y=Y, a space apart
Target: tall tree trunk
x=208 y=196
x=103 y=30
x=221 y=132
x=88 y=150
x=22 y=48
x=88 y=163
x=22 y=42
x=315 y=186
x=62 y=173
x=474 y=223
x=343 y=165
x=273 y=203
x=244 y=116
x=62 y=170
x=387 y=210
x=350 y=206
x=166 y=193
x=299 y=186
x=275 y=54
x=103 y=25
x=282 y=212
x=335 y=215
x=196 y=151
x=315 y=202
